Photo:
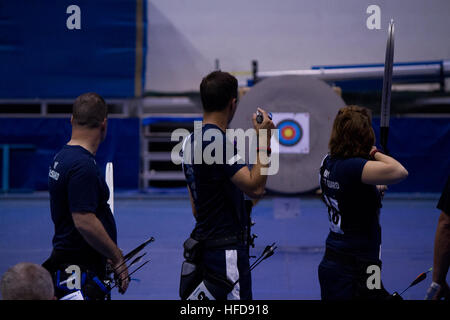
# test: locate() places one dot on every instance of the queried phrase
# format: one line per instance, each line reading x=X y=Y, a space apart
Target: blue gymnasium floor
x=408 y=222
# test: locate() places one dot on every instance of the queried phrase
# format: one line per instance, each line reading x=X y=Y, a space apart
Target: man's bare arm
x=92 y=230
x=252 y=182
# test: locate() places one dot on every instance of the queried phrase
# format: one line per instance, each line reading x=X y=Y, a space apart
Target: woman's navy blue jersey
x=219 y=204
x=353 y=207
x=77 y=185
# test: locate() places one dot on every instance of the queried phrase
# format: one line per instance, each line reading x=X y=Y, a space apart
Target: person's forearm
x=441 y=261
x=259 y=179
x=387 y=159
x=256 y=172
x=92 y=230
x=384 y=170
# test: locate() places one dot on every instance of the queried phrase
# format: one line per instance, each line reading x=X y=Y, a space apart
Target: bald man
x=85 y=229
x=27 y=281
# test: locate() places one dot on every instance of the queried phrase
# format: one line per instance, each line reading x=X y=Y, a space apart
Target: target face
x=290 y=132
x=293 y=132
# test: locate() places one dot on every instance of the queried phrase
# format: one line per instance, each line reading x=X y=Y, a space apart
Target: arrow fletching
x=419 y=279
x=133 y=252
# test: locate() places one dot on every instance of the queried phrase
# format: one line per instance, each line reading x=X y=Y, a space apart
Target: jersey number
x=334 y=215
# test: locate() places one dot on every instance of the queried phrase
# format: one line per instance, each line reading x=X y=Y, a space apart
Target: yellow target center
x=288 y=133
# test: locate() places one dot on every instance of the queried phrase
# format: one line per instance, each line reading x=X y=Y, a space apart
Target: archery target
x=303 y=108
x=293 y=134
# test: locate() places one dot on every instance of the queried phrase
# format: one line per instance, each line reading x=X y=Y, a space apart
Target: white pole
x=109 y=176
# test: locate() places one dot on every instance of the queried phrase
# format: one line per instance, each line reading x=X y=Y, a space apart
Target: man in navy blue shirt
x=85 y=230
x=217 y=191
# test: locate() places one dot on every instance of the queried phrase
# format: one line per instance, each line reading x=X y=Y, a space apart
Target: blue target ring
x=290 y=133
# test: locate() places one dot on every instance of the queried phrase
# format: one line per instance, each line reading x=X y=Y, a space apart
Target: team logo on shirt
x=53 y=174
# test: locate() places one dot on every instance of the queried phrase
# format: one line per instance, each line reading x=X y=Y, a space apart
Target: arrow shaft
x=135 y=251
x=117 y=283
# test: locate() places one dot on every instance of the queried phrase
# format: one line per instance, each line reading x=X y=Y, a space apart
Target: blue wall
x=41 y=57
x=29 y=169
x=422 y=145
